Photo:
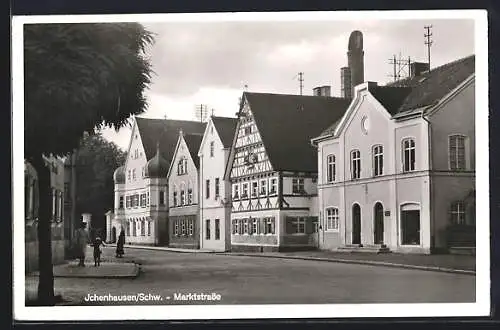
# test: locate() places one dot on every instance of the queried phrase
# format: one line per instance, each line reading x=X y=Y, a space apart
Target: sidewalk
x=460 y=264
x=106 y=270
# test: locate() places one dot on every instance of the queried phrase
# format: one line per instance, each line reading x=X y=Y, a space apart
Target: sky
x=211 y=62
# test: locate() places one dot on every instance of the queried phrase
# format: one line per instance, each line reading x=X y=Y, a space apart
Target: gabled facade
x=273 y=172
x=215 y=192
x=141 y=184
x=397 y=171
x=183 y=198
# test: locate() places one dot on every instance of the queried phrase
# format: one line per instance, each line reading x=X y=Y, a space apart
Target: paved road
x=250 y=280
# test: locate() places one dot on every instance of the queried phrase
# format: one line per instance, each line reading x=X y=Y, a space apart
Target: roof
x=424 y=90
x=193 y=142
x=226 y=128
x=433 y=85
x=288 y=122
x=167 y=131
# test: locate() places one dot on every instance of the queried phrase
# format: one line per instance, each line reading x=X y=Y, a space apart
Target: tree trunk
x=46 y=277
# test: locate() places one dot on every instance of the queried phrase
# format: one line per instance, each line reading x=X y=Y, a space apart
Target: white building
x=215 y=192
x=141 y=203
x=397 y=172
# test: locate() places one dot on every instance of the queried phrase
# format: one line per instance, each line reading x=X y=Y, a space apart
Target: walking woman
x=82 y=240
x=120 y=244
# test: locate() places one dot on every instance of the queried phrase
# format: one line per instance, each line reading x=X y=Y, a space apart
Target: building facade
x=397 y=171
x=141 y=184
x=215 y=195
x=59 y=220
x=273 y=170
x=183 y=180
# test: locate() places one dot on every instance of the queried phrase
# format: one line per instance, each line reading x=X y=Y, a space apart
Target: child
x=97 y=251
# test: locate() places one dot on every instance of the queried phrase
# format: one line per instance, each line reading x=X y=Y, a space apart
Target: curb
x=132 y=275
x=361 y=262
x=166 y=249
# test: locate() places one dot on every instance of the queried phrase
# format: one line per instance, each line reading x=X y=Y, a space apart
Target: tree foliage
x=79 y=77
x=97 y=160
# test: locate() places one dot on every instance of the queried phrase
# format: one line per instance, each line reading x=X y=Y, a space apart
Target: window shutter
x=263 y=223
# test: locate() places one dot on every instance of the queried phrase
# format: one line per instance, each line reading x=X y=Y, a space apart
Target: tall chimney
x=355 y=61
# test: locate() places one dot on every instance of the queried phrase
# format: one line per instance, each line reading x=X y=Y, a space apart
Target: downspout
x=431 y=201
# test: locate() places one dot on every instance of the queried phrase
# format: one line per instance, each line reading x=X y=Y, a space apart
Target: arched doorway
x=113 y=235
x=356 y=224
x=378 y=228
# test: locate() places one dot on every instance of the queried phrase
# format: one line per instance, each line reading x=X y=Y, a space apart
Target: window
x=182 y=166
x=127 y=229
x=183 y=227
x=134 y=228
x=162 y=197
x=254 y=226
x=67 y=191
x=143 y=200
x=207 y=189
x=147 y=198
x=143 y=227
x=298 y=186
x=255 y=188
x=378 y=160
x=207 y=229
x=176 y=228
x=408 y=155
x=457 y=213
x=136 y=198
x=245 y=226
x=133 y=174
x=212 y=147
x=296 y=225
x=244 y=192
x=183 y=197
x=60 y=205
x=191 y=227
x=456 y=152
x=235 y=227
x=236 y=191
x=217 y=187
x=190 y=196
x=120 y=204
x=274 y=186
x=269 y=226
x=330 y=168
x=217 y=229
x=248 y=130
x=332 y=218
x=129 y=175
x=127 y=201
x=240 y=226
x=149 y=228
x=355 y=164
x=136 y=154
x=175 y=197
x=263 y=187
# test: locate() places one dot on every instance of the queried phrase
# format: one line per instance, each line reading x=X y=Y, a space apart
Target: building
x=141 y=203
x=273 y=170
x=59 y=220
x=184 y=197
x=322 y=91
x=397 y=172
x=215 y=198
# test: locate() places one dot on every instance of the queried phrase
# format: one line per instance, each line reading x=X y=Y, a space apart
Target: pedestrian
x=120 y=244
x=97 y=251
x=82 y=240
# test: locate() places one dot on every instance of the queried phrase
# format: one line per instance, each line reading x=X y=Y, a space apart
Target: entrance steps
x=371 y=248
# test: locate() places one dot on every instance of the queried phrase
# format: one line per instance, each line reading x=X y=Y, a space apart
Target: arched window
x=355 y=164
x=143 y=227
x=408 y=146
x=378 y=160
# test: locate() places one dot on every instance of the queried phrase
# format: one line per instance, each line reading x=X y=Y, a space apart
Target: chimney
x=322 y=91
x=418 y=68
x=345 y=82
x=355 y=59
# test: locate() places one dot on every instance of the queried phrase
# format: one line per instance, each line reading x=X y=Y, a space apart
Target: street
x=253 y=280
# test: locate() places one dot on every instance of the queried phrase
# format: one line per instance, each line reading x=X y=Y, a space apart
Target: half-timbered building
x=273 y=170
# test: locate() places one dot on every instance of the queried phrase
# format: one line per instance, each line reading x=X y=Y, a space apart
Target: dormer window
x=298 y=186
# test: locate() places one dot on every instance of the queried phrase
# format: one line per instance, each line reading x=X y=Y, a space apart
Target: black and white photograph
x=251 y=165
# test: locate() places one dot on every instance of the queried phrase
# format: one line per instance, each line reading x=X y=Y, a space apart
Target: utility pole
x=201 y=112
x=428 y=42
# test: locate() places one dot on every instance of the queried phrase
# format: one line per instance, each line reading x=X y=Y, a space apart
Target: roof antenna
x=428 y=42
x=301 y=80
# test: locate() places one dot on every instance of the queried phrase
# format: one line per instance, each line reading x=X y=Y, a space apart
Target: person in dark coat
x=97 y=251
x=120 y=244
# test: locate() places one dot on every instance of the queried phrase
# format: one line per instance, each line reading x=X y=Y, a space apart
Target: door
x=113 y=235
x=356 y=224
x=378 y=228
x=410 y=227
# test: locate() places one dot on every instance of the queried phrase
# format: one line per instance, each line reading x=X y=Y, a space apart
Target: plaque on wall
x=387 y=213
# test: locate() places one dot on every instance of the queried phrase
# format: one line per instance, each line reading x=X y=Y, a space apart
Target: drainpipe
x=431 y=202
